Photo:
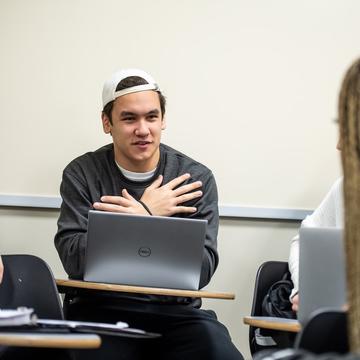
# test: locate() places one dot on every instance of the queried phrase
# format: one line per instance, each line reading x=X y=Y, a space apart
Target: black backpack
x=276 y=302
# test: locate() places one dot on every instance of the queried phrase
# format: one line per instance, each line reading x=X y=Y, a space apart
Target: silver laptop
x=321 y=270
x=152 y=251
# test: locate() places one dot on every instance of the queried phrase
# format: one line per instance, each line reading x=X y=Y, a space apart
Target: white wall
x=251 y=87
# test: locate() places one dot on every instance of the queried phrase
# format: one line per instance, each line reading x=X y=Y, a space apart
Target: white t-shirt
x=330 y=213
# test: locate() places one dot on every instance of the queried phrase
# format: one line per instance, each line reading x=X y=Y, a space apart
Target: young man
x=138 y=174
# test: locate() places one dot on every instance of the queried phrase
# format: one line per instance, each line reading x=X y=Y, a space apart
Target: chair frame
x=28 y=281
x=268 y=273
x=325 y=331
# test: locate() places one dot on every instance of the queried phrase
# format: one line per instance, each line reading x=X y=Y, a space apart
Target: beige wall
x=243 y=246
x=251 y=87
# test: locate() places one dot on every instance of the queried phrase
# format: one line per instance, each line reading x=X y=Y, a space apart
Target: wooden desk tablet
x=273 y=323
x=53 y=340
x=64 y=284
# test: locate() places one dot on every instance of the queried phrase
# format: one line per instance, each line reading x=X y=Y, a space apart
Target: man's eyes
x=151 y=117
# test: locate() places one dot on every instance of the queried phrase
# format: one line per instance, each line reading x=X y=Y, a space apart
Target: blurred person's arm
x=1 y=269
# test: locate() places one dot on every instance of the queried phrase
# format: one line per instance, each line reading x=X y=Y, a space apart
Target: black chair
x=326 y=331
x=28 y=281
x=268 y=273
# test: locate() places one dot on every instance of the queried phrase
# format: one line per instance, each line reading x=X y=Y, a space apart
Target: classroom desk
x=64 y=284
x=53 y=340
x=272 y=323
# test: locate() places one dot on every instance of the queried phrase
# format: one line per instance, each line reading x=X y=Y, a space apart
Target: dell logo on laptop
x=144 y=251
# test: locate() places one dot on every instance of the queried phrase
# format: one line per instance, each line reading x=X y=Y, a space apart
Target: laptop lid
x=322 y=281
x=152 y=251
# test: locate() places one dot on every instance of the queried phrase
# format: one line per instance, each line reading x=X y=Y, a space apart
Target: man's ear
x=106 y=123
x=163 y=123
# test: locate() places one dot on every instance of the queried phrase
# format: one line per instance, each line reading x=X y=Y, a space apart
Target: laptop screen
x=144 y=250
x=321 y=270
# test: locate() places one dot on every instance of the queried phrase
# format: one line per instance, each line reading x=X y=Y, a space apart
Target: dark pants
x=29 y=353
x=187 y=332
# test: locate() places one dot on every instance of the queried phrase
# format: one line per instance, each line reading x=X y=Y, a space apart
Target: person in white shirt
x=330 y=213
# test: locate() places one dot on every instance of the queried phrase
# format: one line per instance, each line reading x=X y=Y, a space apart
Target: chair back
x=325 y=331
x=28 y=281
x=268 y=273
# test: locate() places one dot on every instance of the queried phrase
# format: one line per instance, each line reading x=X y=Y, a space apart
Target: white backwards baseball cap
x=109 y=90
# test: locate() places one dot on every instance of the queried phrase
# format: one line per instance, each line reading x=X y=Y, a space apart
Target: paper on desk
x=17 y=317
x=118 y=329
x=82 y=324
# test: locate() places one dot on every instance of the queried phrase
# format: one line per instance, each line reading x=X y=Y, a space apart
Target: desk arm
x=65 y=285
x=273 y=323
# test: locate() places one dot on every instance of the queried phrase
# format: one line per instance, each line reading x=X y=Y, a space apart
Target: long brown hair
x=349 y=117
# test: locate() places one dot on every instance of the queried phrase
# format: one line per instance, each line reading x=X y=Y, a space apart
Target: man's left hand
x=122 y=204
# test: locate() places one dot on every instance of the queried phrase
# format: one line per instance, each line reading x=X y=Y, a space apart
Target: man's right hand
x=166 y=200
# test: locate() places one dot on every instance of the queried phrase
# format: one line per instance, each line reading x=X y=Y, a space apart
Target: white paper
x=77 y=324
x=14 y=317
